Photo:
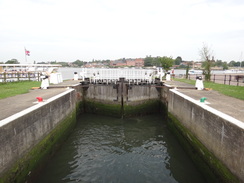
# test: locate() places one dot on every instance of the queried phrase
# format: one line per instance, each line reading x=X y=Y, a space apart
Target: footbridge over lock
x=131 y=75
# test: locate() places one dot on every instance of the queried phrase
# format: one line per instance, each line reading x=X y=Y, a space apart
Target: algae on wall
x=121 y=111
x=28 y=166
x=213 y=169
x=95 y=107
x=142 y=108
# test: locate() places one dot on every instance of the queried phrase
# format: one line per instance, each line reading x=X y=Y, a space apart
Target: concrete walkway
x=12 y=105
x=228 y=105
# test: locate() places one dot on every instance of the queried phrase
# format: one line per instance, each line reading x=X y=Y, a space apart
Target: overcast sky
x=67 y=30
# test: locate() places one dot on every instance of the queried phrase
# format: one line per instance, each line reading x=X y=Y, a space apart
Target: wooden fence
x=19 y=76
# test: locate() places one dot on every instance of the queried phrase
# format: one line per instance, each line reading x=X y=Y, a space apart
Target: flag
x=27 y=52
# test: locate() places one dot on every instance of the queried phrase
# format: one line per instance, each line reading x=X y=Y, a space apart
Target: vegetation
x=12 y=61
x=229 y=90
x=15 y=88
x=187 y=70
x=166 y=62
x=149 y=61
x=178 y=60
x=207 y=57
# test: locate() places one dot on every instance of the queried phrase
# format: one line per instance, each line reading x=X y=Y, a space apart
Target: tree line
x=149 y=61
x=77 y=63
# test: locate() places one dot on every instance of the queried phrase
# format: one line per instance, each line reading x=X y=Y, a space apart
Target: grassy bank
x=15 y=88
x=232 y=91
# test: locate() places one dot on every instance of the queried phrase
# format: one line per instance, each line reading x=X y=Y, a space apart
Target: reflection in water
x=105 y=149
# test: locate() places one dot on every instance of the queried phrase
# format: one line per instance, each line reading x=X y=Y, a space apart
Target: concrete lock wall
x=24 y=130
x=115 y=93
x=221 y=134
x=121 y=99
x=143 y=92
x=107 y=93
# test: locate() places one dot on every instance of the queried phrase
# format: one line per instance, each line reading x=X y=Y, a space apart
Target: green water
x=106 y=149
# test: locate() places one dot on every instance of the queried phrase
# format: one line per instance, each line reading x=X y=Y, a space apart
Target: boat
x=233 y=71
x=19 y=72
x=195 y=71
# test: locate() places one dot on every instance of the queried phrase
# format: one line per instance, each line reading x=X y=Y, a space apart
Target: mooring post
x=121 y=83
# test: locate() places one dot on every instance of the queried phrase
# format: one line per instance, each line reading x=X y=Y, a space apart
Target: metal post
x=5 y=77
x=237 y=78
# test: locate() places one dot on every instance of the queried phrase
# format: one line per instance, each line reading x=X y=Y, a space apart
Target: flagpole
x=25 y=56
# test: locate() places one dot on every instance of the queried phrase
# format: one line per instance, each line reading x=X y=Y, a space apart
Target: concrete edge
x=30 y=109
x=210 y=109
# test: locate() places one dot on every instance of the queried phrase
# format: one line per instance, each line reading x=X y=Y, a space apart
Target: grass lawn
x=232 y=91
x=10 y=89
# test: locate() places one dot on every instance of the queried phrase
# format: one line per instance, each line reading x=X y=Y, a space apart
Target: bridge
x=112 y=75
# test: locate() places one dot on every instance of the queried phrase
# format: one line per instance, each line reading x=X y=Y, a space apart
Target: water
x=105 y=149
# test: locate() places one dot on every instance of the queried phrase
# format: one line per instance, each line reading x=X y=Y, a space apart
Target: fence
x=227 y=79
x=19 y=76
x=113 y=75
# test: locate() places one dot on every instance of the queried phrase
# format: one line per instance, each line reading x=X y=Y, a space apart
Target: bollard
x=40 y=99
x=203 y=99
x=76 y=76
x=45 y=82
x=168 y=76
x=199 y=83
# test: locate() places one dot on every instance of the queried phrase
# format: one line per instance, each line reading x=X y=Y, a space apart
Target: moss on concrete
x=117 y=110
x=213 y=169
x=96 y=107
x=28 y=166
x=145 y=107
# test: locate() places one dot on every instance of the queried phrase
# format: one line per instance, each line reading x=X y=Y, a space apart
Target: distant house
x=138 y=62
x=194 y=65
x=93 y=64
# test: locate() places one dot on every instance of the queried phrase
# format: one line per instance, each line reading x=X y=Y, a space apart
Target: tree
x=166 y=62
x=187 y=69
x=78 y=63
x=12 y=61
x=231 y=63
x=225 y=66
x=219 y=63
x=156 y=61
x=178 y=60
x=148 y=61
x=207 y=57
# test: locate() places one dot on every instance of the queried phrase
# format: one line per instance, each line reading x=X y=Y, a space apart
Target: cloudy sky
x=67 y=30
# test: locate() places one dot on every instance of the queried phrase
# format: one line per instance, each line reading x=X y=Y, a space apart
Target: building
x=137 y=62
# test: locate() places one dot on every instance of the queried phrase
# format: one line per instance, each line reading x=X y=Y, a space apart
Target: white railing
x=113 y=75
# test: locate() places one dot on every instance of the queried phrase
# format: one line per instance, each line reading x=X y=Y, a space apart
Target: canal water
x=106 y=149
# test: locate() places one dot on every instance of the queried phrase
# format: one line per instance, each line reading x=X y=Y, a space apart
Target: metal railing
x=19 y=76
x=227 y=79
x=113 y=75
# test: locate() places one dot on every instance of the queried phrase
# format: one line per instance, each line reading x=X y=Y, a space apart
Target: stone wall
x=121 y=99
x=32 y=130
x=221 y=134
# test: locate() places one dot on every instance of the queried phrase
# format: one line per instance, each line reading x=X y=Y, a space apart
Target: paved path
x=225 y=104
x=228 y=105
x=12 y=105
